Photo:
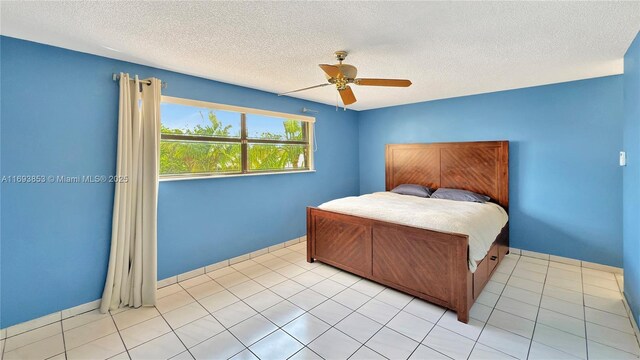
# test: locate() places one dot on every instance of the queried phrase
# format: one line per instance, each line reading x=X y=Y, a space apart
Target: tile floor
x=277 y=306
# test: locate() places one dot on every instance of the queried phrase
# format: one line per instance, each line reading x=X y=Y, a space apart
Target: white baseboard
x=240 y=258
x=80 y=309
x=90 y=306
x=565 y=260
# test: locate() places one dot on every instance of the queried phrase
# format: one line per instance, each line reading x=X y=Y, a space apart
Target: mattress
x=482 y=222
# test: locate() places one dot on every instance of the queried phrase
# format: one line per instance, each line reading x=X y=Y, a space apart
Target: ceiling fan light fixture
x=341 y=75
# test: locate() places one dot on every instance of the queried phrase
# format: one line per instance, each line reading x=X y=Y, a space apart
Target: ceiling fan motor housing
x=349 y=72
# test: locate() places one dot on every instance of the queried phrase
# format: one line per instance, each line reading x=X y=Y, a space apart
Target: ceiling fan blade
x=303 y=89
x=331 y=70
x=383 y=82
x=347 y=96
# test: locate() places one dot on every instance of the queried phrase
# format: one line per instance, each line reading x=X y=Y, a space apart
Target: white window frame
x=310 y=120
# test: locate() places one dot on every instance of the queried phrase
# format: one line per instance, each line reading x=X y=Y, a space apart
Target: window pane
x=184 y=157
x=276 y=157
x=192 y=120
x=267 y=127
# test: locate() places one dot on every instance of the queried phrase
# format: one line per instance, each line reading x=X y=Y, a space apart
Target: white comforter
x=482 y=222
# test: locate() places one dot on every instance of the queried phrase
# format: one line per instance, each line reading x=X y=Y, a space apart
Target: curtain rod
x=116 y=77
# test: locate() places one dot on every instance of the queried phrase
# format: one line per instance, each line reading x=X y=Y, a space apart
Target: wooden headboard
x=481 y=167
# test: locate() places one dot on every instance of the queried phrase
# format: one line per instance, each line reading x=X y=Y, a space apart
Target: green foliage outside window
x=193 y=156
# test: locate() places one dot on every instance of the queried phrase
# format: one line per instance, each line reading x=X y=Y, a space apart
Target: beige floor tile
x=234 y=314
x=282 y=313
x=277 y=345
x=263 y=300
x=449 y=343
x=89 y=332
x=102 y=348
x=198 y=331
x=327 y=287
x=410 y=326
x=392 y=344
x=184 y=315
x=613 y=338
x=330 y=312
x=518 y=308
x=599 y=351
x=532 y=308
x=617 y=322
x=205 y=289
x=246 y=289
x=174 y=301
x=562 y=307
x=359 y=327
x=562 y=322
x=483 y=352
x=614 y=306
x=200 y=279
x=308 y=278
x=505 y=341
x=364 y=353
x=470 y=330
x=270 y=279
x=218 y=301
x=168 y=290
x=82 y=319
x=561 y=340
x=378 y=311
x=351 y=298
x=29 y=337
x=512 y=323
x=145 y=331
x=41 y=349
x=367 y=287
x=423 y=353
x=132 y=317
x=253 y=329
x=306 y=328
x=221 y=346
x=334 y=344
x=540 y=351
x=163 y=347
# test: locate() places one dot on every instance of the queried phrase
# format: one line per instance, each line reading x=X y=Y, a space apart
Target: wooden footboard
x=427 y=264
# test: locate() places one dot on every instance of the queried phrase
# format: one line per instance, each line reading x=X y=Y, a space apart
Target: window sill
x=203 y=177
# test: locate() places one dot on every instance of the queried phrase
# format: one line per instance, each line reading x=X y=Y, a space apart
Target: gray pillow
x=413 y=190
x=459 y=195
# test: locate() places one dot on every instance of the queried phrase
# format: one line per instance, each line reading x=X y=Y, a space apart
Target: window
x=206 y=139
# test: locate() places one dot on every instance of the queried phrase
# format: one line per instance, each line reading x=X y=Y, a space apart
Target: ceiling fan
x=341 y=75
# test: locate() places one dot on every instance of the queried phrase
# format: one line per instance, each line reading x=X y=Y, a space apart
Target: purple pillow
x=459 y=195
x=413 y=190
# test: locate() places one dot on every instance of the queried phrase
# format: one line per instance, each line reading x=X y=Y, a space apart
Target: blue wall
x=631 y=187
x=565 y=183
x=59 y=117
x=59 y=113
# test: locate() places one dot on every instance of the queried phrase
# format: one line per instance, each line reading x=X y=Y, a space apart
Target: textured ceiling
x=447 y=49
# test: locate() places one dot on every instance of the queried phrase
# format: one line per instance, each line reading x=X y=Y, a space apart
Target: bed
x=433 y=265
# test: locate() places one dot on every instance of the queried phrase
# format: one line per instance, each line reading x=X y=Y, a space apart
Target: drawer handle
x=493 y=258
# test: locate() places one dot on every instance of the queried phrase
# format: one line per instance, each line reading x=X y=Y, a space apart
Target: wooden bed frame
x=427 y=264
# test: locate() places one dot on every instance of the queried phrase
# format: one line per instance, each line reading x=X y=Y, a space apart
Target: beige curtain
x=132 y=274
